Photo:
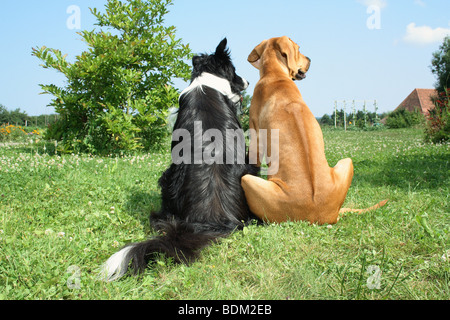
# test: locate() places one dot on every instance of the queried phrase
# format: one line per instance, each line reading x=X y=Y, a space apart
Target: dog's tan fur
x=305 y=187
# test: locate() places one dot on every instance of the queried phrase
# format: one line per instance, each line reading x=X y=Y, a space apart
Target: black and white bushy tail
x=179 y=240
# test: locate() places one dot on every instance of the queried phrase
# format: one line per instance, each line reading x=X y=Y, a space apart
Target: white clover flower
x=446 y=256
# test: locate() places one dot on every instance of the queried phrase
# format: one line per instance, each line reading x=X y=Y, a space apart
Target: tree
x=245 y=110
x=3 y=114
x=440 y=66
x=438 y=120
x=326 y=120
x=339 y=116
x=16 y=117
x=119 y=91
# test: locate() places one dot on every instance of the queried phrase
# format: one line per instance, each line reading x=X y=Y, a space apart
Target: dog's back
x=304 y=187
x=209 y=195
x=202 y=199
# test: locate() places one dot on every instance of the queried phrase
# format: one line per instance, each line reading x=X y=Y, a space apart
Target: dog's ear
x=289 y=50
x=195 y=61
x=221 y=49
x=255 y=56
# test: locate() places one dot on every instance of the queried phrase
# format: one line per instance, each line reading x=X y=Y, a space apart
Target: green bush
x=119 y=91
x=438 y=121
x=403 y=118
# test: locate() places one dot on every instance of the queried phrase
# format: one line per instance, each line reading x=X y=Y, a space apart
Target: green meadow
x=62 y=216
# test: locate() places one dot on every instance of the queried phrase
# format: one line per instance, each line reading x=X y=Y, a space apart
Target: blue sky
x=360 y=49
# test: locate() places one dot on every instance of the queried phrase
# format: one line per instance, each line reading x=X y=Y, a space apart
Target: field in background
x=62 y=216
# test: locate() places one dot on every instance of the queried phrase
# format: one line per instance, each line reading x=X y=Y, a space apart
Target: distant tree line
x=360 y=119
x=21 y=118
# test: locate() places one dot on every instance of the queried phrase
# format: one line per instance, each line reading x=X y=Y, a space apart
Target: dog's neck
x=220 y=84
x=268 y=67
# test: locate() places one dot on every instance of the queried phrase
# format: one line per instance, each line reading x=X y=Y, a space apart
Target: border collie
x=201 y=201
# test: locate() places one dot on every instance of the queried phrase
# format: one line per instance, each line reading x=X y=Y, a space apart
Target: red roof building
x=419 y=99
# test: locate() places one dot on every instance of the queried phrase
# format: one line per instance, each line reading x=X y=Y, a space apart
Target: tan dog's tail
x=378 y=205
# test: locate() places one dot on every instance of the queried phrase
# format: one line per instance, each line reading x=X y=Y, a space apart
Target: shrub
x=438 y=121
x=119 y=91
x=403 y=118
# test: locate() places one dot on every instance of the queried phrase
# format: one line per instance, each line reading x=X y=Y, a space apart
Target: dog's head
x=287 y=53
x=219 y=64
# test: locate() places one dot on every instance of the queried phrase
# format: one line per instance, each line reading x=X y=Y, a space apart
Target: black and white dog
x=201 y=200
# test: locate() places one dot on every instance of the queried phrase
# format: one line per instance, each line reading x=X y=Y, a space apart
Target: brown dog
x=303 y=187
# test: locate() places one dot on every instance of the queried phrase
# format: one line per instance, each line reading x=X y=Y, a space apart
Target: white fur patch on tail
x=116 y=266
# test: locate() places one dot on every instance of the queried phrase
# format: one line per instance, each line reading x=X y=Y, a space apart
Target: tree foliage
x=440 y=66
x=12 y=117
x=118 y=92
x=21 y=118
x=245 y=111
x=438 y=120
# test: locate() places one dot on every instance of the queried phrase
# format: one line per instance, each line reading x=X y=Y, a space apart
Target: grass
x=62 y=216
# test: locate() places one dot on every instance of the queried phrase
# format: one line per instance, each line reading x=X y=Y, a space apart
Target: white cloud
x=378 y=3
x=424 y=35
x=420 y=3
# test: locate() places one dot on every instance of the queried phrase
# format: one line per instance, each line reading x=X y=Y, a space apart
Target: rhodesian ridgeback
x=304 y=186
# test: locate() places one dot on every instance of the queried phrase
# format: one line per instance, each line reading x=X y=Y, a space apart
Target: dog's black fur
x=200 y=202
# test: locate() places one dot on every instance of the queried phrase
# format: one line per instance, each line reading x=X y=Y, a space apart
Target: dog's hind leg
x=266 y=199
